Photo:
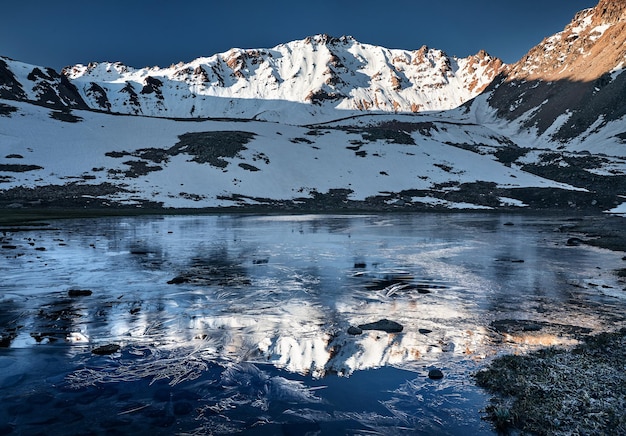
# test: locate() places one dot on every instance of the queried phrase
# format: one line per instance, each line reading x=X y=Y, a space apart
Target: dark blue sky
x=161 y=32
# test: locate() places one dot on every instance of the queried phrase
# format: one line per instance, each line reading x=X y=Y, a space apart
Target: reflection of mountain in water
x=293 y=291
x=305 y=340
x=259 y=312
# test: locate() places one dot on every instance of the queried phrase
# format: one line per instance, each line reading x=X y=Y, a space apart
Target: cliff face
x=590 y=46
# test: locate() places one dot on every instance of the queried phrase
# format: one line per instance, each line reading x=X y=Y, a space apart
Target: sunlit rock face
x=571 y=85
x=321 y=72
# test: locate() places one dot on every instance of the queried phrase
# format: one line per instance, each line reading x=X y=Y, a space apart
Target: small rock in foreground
x=79 y=292
x=574 y=242
x=178 y=280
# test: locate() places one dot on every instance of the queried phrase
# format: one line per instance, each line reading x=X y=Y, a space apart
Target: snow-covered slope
x=371 y=162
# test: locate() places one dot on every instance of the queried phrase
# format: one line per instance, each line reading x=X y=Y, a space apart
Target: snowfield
x=280 y=162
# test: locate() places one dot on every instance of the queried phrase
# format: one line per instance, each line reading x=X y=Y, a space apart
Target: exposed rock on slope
x=19 y=81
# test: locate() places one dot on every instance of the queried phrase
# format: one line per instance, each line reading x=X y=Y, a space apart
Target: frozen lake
x=221 y=324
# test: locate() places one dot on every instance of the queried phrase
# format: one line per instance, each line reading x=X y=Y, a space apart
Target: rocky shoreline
x=559 y=390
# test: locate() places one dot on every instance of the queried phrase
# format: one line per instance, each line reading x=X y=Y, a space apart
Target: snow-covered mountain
x=338 y=73
x=327 y=124
x=318 y=75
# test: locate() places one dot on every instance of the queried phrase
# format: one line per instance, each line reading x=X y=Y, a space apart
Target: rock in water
x=435 y=374
x=352 y=330
x=106 y=349
x=79 y=293
x=178 y=280
x=574 y=242
x=384 y=325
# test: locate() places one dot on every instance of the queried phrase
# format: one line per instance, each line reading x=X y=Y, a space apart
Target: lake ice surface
x=251 y=332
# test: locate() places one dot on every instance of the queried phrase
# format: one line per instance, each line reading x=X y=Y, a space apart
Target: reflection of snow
x=267 y=307
x=296 y=336
x=297 y=355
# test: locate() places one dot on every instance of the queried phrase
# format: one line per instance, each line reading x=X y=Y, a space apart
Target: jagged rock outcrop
x=10 y=88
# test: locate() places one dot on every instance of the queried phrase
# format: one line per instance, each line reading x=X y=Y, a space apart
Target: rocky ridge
x=572 y=83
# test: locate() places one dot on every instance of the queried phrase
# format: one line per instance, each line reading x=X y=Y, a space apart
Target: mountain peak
x=323 y=73
x=590 y=46
x=326 y=39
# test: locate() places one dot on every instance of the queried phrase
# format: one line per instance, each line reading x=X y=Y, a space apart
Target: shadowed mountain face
x=571 y=81
x=45 y=86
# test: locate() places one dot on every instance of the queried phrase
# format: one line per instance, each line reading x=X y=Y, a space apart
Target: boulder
x=178 y=280
x=106 y=349
x=79 y=293
x=574 y=242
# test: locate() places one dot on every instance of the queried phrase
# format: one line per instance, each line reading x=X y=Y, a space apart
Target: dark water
x=251 y=332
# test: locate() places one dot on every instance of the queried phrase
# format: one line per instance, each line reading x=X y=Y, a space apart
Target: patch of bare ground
x=604 y=231
x=202 y=147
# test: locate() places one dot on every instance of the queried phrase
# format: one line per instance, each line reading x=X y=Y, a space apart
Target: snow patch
x=619 y=210
x=598 y=31
x=448 y=204
x=505 y=201
x=619 y=69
